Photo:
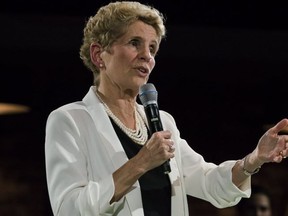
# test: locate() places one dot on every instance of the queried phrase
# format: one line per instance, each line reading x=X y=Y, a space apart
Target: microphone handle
x=166 y=167
x=154 y=121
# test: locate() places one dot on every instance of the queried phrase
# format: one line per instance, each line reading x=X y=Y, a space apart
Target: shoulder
x=68 y=111
x=167 y=119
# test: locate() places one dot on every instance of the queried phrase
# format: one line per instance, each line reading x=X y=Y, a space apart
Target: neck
x=132 y=124
x=122 y=108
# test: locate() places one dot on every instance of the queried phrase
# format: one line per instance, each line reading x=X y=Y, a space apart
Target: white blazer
x=82 y=151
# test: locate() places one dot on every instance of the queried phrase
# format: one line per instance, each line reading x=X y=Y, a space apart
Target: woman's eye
x=153 y=50
x=139 y=45
x=134 y=42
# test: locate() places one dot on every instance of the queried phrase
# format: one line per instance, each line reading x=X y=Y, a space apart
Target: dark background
x=221 y=72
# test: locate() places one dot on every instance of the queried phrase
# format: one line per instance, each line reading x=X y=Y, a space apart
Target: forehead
x=261 y=198
x=143 y=30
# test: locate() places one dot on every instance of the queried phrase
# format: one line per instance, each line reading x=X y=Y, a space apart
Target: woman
x=100 y=157
x=259 y=204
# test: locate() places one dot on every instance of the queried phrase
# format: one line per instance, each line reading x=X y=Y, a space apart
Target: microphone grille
x=148 y=94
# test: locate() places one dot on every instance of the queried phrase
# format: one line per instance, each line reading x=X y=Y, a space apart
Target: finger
x=278 y=127
x=283 y=154
x=170 y=145
x=167 y=134
x=279 y=157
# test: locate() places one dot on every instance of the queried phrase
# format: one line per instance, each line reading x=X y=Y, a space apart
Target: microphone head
x=148 y=94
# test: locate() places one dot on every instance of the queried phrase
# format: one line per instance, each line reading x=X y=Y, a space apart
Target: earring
x=100 y=65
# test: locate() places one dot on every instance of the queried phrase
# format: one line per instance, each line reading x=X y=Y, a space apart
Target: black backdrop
x=221 y=73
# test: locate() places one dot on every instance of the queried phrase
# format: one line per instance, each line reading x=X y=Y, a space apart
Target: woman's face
x=259 y=205
x=131 y=58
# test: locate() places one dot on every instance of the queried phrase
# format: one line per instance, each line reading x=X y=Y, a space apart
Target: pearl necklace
x=139 y=135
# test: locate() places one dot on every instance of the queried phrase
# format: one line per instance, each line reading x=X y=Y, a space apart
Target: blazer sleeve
x=202 y=179
x=71 y=191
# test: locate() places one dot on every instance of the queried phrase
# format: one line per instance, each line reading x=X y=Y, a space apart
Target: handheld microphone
x=148 y=97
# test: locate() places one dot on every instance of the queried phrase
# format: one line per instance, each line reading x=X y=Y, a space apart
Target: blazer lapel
x=105 y=129
x=113 y=146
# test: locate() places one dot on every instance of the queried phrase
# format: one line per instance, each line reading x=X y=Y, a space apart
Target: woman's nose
x=146 y=55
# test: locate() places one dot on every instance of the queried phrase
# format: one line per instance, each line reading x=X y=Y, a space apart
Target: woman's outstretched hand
x=272 y=146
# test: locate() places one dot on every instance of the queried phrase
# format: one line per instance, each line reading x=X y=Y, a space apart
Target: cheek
x=126 y=53
x=125 y=58
x=152 y=64
x=118 y=61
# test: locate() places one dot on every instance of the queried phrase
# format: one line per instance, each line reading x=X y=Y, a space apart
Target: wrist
x=247 y=168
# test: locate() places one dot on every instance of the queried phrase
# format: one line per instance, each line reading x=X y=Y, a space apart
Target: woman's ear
x=95 y=51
